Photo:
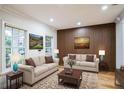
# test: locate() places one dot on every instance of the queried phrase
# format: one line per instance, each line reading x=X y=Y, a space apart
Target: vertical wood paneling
x=101 y=37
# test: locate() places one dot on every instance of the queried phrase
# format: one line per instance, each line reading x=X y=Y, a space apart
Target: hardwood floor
x=107 y=80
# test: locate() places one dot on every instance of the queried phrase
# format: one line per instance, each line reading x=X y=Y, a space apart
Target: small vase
x=15 y=67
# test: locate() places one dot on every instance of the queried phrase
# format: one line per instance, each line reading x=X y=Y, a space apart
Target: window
x=48 y=45
x=14 y=43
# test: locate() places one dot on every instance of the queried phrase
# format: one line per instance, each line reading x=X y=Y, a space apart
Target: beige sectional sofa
x=34 y=74
x=82 y=64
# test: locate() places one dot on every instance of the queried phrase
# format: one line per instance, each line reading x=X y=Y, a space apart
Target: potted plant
x=71 y=63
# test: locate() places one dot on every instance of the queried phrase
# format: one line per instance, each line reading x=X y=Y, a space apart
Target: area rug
x=89 y=81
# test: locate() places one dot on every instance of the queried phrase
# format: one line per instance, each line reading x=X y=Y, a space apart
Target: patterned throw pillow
x=30 y=62
x=48 y=59
x=90 y=58
x=72 y=57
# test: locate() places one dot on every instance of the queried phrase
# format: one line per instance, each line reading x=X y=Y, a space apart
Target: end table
x=103 y=66
x=14 y=76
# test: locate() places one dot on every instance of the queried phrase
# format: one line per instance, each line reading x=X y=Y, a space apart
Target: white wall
x=120 y=41
x=32 y=26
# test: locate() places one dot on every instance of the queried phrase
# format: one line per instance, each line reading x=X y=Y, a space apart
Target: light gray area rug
x=89 y=81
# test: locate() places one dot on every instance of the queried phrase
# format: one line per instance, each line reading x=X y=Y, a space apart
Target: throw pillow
x=90 y=58
x=72 y=57
x=30 y=62
x=48 y=59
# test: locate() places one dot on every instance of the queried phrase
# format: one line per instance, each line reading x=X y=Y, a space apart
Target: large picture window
x=14 y=43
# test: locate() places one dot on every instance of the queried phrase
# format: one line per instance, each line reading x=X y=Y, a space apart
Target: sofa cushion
x=78 y=63
x=42 y=59
x=90 y=58
x=36 y=61
x=48 y=59
x=30 y=62
x=51 y=65
x=40 y=69
x=87 y=64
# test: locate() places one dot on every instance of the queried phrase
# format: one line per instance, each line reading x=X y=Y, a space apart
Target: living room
x=61 y=46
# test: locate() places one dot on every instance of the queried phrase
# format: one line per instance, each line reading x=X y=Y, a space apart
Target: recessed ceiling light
x=104 y=7
x=51 y=19
x=78 y=23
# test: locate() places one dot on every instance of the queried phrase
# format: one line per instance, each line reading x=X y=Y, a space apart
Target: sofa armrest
x=97 y=60
x=97 y=64
x=28 y=73
x=65 y=59
x=26 y=67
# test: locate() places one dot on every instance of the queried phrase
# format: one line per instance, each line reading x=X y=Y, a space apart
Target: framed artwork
x=35 y=41
x=81 y=43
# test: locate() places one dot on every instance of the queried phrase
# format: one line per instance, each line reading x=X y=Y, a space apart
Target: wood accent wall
x=101 y=37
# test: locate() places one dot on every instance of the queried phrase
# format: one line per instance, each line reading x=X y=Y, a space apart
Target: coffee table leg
x=16 y=83
x=77 y=83
x=22 y=80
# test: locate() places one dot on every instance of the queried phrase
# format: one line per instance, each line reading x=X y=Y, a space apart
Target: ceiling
x=66 y=16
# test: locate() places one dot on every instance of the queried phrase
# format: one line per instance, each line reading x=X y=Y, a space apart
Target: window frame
x=50 y=47
x=4 y=25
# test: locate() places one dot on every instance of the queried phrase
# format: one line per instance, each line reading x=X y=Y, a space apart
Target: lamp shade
x=16 y=57
x=101 y=52
x=56 y=51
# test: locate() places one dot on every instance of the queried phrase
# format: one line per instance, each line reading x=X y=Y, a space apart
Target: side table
x=103 y=66
x=14 y=76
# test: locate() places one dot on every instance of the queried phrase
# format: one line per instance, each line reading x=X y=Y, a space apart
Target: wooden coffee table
x=75 y=78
